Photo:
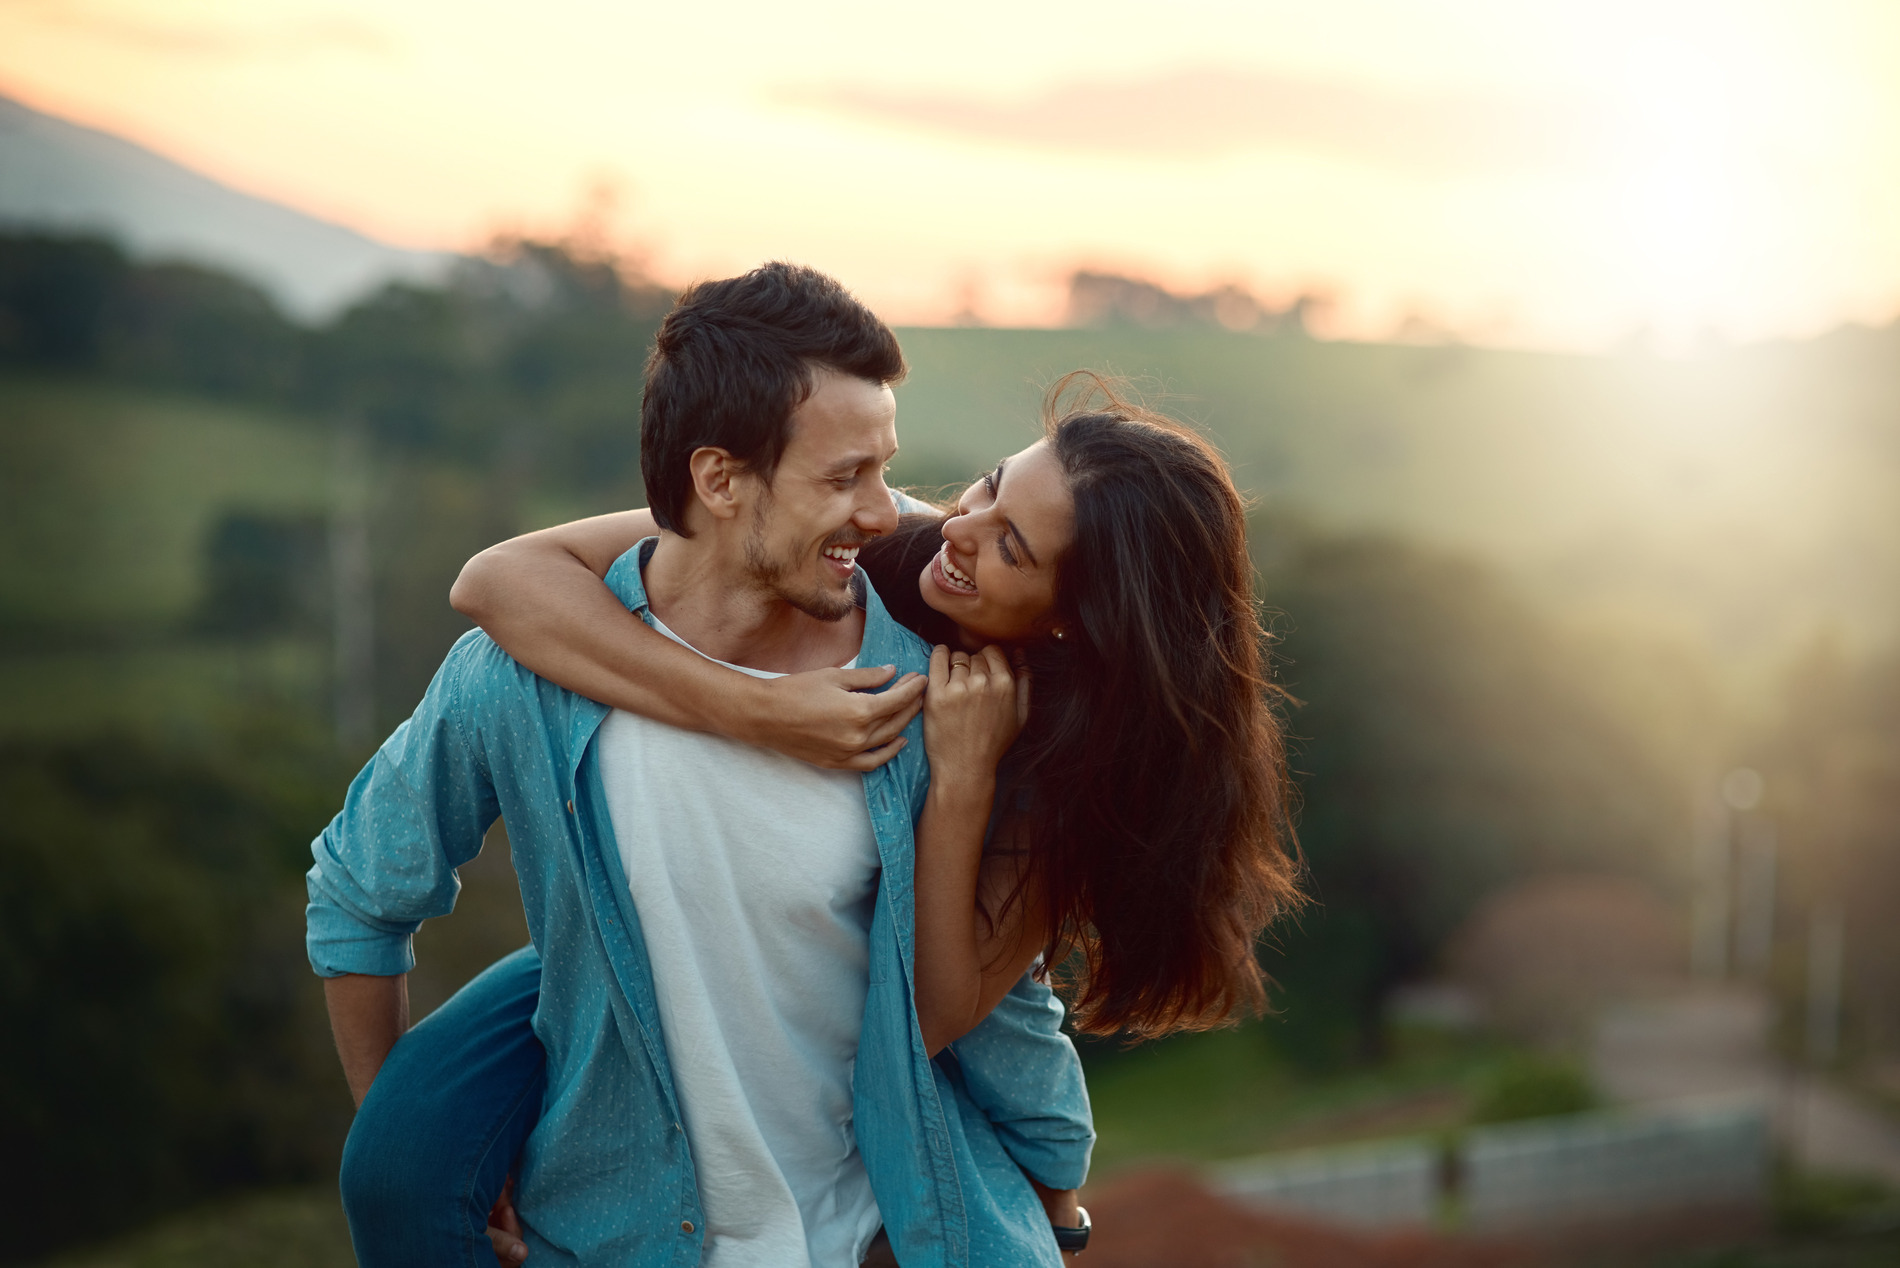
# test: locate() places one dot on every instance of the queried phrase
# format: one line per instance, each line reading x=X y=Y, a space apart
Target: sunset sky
x=1512 y=171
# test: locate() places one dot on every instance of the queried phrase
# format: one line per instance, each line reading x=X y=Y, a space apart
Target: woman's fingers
x=960 y=676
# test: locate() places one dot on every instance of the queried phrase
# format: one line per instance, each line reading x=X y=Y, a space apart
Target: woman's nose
x=957 y=530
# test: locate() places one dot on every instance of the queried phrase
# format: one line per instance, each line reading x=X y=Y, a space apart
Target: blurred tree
x=183 y=326
x=264 y=574
x=53 y=296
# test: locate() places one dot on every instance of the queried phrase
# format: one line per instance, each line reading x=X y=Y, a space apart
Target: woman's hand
x=973 y=710
x=829 y=717
x=969 y=953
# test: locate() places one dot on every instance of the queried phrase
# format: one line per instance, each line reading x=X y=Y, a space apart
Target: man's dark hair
x=733 y=360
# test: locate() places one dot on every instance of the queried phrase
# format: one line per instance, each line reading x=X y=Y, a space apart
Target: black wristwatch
x=1077 y=1238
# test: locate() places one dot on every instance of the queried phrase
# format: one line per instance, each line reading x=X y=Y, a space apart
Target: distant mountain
x=55 y=174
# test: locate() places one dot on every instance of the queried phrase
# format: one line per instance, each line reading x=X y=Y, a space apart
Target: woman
x=1129 y=829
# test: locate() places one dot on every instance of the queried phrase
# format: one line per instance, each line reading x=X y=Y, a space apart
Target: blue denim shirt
x=607 y=1177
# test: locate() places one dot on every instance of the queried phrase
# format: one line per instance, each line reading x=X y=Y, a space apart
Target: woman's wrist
x=962 y=787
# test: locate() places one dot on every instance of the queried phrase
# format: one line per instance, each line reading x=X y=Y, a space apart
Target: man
x=734 y=1071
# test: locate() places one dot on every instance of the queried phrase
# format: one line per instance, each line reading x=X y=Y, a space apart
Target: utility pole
x=1754 y=895
x=1732 y=913
x=352 y=592
x=1709 y=912
x=1827 y=955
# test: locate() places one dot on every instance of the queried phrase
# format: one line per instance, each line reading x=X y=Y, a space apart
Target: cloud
x=268 y=38
x=1212 y=111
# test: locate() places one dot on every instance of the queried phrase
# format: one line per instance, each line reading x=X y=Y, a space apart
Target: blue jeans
x=444 y=1122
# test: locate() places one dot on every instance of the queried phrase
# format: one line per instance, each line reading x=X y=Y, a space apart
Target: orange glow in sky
x=1512 y=171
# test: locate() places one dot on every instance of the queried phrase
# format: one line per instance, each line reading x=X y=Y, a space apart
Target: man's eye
x=989 y=482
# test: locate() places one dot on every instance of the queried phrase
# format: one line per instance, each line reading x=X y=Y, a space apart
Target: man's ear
x=716 y=477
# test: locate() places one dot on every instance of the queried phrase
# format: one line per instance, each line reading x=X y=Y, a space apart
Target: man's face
x=826 y=497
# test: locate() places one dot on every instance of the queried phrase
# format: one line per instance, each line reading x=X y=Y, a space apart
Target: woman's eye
x=989 y=482
x=1002 y=548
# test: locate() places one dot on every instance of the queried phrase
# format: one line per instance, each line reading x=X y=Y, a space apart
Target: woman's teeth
x=844 y=554
x=955 y=574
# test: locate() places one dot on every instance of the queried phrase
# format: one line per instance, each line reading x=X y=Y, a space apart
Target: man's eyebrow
x=1014 y=531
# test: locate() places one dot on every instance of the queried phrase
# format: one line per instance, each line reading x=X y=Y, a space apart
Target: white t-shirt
x=754 y=876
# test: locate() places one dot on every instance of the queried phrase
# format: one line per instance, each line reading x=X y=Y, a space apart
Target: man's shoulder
x=484 y=679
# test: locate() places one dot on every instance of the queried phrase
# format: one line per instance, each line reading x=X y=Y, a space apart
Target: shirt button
x=686 y=1226
x=570 y=806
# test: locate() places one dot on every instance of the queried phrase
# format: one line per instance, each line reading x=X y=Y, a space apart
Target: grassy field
x=1227 y=1094
x=106 y=495
x=285 y=1228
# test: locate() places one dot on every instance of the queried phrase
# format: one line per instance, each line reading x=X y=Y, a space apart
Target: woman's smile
x=950 y=578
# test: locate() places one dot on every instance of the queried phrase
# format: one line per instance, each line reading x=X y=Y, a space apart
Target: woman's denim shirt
x=606 y=1177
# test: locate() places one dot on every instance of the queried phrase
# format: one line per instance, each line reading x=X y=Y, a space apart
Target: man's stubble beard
x=770 y=575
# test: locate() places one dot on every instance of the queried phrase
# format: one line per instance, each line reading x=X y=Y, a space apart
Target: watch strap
x=1073 y=1239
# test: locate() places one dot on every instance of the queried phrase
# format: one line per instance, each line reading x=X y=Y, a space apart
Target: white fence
x=1591 y=1166
x=1378 y=1185
x=1540 y=1173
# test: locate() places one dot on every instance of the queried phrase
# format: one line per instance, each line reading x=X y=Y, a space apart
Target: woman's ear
x=714 y=472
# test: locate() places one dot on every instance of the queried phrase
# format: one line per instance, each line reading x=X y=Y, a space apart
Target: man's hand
x=829 y=717
x=504 y=1229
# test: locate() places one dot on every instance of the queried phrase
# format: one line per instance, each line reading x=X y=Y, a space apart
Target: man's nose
x=877 y=514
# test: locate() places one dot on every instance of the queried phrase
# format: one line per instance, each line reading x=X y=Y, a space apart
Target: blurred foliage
x=1825 y=1202
x=1530 y=1086
x=172 y=1040
x=1832 y=762
x=285 y=1228
x=531 y=354
x=1444 y=745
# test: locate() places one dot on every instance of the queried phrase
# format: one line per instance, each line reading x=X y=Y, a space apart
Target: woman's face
x=996 y=574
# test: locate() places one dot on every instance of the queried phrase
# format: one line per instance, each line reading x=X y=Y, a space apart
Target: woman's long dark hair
x=1149 y=790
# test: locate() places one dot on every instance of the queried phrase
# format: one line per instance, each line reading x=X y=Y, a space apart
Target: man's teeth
x=848 y=554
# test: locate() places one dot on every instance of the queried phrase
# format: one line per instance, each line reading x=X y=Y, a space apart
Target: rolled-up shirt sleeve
x=414 y=814
x=1026 y=1077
